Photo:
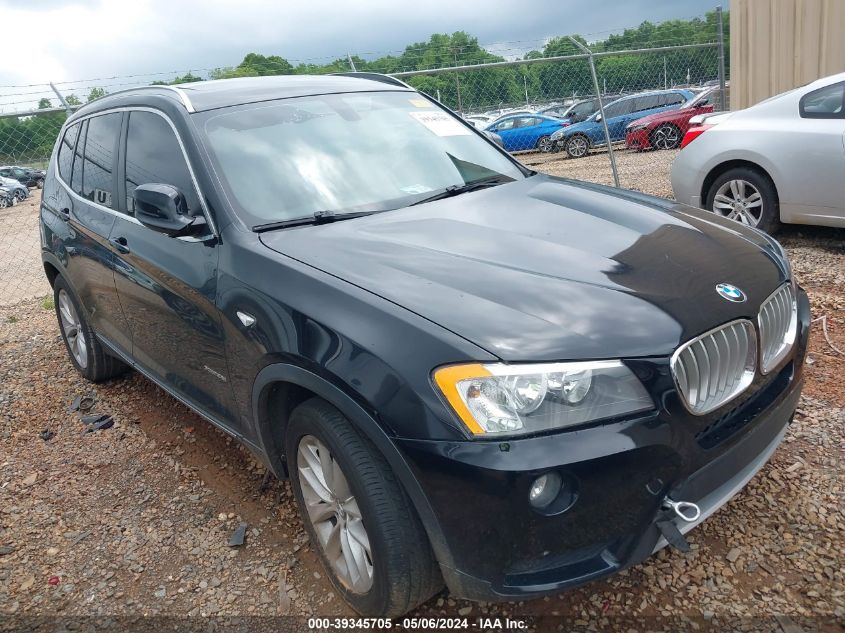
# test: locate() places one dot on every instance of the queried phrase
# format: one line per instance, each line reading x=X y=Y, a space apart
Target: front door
x=168 y=286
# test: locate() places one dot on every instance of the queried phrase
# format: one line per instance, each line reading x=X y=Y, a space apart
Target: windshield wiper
x=456 y=190
x=318 y=217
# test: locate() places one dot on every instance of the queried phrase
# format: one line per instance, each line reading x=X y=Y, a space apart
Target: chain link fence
x=537 y=104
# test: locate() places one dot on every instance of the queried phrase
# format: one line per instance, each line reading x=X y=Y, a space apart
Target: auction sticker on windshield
x=440 y=123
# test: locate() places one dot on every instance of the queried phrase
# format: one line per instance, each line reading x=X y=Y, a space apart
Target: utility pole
x=665 y=83
x=351 y=63
x=525 y=83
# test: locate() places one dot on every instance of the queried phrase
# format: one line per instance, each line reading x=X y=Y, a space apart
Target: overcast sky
x=69 y=40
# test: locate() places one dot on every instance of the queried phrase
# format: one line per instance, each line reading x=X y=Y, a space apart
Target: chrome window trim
x=183 y=96
x=191 y=171
x=753 y=344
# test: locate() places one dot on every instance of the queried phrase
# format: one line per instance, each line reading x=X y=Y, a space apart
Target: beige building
x=781 y=44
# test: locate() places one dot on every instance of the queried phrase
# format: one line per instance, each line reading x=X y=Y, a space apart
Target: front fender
x=365 y=424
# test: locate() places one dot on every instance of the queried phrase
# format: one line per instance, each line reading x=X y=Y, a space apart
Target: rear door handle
x=120 y=244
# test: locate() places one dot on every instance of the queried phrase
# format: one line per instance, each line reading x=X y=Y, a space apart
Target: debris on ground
x=46 y=435
x=237 y=538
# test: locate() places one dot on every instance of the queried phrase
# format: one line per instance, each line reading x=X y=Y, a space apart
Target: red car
x=665 y=130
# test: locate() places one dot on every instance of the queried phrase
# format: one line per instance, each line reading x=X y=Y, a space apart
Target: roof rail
x=385 y=79
x=183 y=97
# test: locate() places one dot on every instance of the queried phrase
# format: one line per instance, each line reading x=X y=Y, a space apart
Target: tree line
x=31 y=138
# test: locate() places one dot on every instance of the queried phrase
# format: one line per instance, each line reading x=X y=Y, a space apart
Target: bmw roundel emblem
x=730 y=292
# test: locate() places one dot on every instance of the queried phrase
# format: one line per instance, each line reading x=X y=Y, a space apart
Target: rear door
x=168 y=286
x=78 y=210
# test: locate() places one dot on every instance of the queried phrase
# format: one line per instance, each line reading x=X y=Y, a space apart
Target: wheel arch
x=721 y=168
x=279 y=388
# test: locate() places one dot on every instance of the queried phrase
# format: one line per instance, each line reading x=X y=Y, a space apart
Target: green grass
x=47 y=303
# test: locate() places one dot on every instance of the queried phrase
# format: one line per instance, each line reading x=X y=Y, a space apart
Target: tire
x=4 y=202
x=86 y=353
x=39 y=184
x=404 y=572
x=20 y=195
x=545 y=144
x=577 y=146
x=667 y=136
x=753 y=190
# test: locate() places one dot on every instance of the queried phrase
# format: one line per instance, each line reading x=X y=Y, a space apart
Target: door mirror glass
x=598 y=117
x=163 y=208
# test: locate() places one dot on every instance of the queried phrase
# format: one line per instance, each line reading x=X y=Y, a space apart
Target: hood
x=549 y=269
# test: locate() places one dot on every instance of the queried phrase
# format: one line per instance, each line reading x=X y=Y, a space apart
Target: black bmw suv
x=472 y=374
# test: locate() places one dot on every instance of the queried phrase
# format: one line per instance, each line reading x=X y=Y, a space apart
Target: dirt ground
x=134 y=521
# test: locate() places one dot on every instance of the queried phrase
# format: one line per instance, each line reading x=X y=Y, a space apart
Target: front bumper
x=618 y=473
x=637 y=139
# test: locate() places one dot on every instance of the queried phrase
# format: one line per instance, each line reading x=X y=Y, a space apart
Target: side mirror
x=163 y=208
x=702 y=103
x=598 y=118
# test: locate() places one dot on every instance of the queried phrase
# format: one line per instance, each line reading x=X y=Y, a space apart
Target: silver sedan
x=781 y=160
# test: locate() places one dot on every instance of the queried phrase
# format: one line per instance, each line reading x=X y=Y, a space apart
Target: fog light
x=544 y=490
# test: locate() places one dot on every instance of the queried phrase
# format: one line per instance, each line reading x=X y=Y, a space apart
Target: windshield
x=345 y=153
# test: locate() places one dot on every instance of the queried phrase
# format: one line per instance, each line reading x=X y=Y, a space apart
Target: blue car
x=527 y=131
x=577 y=139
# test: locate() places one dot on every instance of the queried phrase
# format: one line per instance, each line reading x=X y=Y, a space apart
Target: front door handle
x=120 y=244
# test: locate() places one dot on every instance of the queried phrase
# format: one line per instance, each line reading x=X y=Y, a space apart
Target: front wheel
x=667 y=136
x=39 y=184
x=360 y=521
x=747 y=196
x=577 y=146
x=20 y=195
x=545 y=144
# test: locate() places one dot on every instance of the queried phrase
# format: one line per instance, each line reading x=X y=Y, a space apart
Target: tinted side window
x=98 y=173
x=65 y=161
x=646 y=103
x=618 y=108
x=824 y=103
x=674 y=98
x=153 y=155
x=76 y=178
x=505 y=125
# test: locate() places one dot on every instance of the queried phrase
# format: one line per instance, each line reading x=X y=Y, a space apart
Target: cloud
x=80 y=39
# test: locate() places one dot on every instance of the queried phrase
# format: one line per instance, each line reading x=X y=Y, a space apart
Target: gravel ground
x=135 y=520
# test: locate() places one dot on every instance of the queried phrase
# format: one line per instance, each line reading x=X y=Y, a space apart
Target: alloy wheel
x=545 y=144
x=577 y=146
x=335 y=515
x=72 y=330
x=666 y=137
x=739 y=200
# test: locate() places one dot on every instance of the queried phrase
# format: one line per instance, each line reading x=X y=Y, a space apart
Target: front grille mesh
x=715 y=367
x=777 y=321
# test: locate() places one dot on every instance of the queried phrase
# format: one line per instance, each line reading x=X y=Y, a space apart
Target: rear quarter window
x=66 y=149
x=824 y=103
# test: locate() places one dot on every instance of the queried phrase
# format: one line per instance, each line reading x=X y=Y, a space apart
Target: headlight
x=557 y=134
x=518 y=399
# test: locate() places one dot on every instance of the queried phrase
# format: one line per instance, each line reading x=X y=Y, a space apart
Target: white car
x=782 y=160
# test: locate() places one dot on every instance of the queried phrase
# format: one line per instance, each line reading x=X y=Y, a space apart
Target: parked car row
x=26 y=176
x=579 y=138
